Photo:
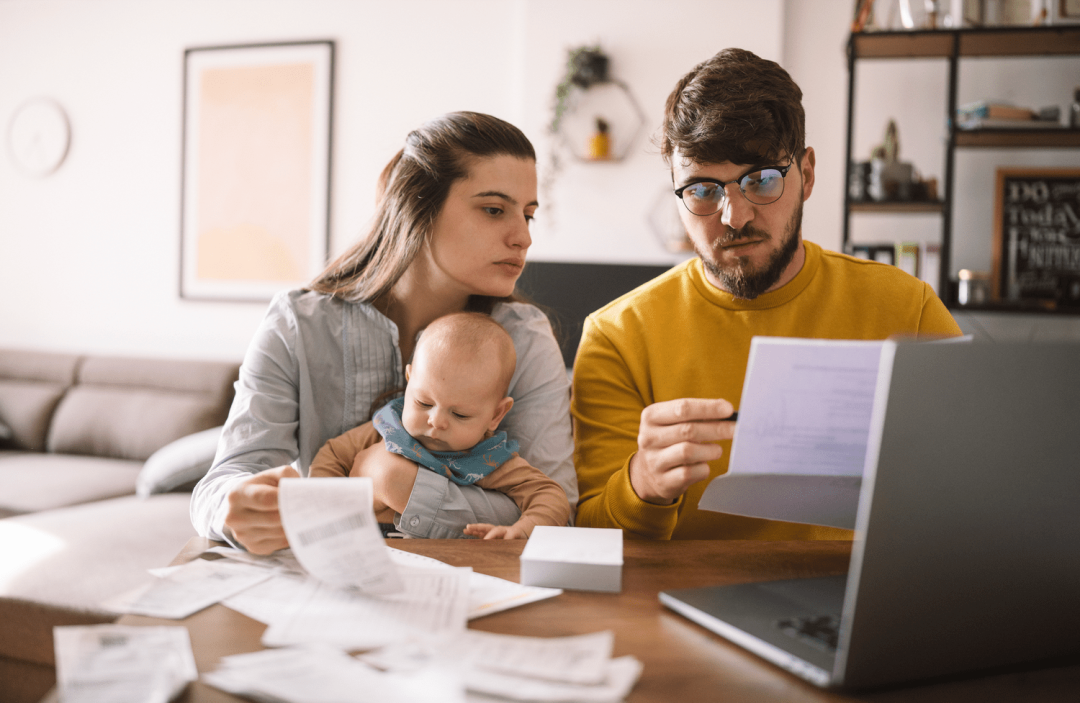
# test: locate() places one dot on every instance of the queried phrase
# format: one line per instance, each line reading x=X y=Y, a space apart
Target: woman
x=450 y=233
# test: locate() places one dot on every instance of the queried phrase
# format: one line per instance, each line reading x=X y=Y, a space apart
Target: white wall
x=89 y=255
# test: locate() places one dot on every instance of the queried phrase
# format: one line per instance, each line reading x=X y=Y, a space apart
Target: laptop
x=967 y=535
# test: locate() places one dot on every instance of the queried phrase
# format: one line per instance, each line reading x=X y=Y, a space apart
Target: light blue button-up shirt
x=315 y=367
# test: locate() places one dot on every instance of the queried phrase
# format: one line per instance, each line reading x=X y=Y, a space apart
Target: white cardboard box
x=581 y=558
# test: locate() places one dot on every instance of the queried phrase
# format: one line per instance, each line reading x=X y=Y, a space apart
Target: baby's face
x=450 y=405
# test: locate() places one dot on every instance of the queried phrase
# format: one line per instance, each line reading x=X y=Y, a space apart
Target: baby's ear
x=408 y=370
x=500 y=412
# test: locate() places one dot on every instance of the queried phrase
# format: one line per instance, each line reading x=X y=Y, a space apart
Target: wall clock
x=38 y=136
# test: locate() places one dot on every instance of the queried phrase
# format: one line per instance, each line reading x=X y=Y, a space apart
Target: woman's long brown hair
x=412 y=190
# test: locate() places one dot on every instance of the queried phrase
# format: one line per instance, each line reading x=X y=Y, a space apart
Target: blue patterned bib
x=464 y=467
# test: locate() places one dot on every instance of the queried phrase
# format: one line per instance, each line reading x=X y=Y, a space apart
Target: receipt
x=332 y=530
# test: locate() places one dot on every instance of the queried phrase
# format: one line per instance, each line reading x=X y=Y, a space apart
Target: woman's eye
x=530 y=218
x=493 y=210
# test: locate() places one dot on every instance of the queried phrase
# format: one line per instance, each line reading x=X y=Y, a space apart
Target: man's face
x=748 y=249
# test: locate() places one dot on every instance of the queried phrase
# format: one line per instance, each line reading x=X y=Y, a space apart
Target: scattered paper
x=327 y=675
x=491 y=594
x=487 y=594
x=266 y=601
x=121 y=664
x=281 y=560
x=431 y=601
x=578 y=668
x=189 y=588
x=622 y=674
x=333 y=533
x=579 y=659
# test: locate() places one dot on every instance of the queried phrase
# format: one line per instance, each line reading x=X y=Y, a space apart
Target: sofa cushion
x=26 y=408
x=130 y=408
x=51 y=367
x=30 y=481
x=179 y=465
x=68 y=561
x=31 y=384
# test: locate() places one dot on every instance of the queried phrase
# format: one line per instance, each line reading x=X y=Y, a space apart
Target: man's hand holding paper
x=675 y=445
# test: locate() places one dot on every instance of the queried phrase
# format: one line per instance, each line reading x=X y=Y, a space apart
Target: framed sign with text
x=1037 y=237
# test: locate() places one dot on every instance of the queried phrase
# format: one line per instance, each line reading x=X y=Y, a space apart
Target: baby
x=455 y=398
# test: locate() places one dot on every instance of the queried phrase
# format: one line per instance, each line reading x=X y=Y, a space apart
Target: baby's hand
x=486 y=531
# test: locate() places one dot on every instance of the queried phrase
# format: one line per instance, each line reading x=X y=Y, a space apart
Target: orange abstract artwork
x=256 y=185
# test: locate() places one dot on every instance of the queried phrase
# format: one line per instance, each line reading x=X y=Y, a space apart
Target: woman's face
x=480 y=238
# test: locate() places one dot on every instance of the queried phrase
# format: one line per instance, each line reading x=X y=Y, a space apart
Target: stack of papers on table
x=443 y=669
x=340 y=589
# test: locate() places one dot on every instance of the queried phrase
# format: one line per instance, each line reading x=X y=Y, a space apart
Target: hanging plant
x=585 y=67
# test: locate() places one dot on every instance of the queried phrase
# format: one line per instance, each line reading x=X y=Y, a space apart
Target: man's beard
x=744 y=281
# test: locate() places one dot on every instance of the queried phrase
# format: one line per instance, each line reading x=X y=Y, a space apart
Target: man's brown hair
x=734 y=107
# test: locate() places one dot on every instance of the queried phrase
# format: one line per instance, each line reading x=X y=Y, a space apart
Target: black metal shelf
x=953 y=45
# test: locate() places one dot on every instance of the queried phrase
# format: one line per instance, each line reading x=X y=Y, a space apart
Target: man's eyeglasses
x=760 y=186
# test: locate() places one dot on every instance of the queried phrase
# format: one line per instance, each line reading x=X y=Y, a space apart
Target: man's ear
x=500 y=412
x=408 y=370
x=809 y=160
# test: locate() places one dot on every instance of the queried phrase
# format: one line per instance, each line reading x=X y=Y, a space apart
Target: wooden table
x=682 y=661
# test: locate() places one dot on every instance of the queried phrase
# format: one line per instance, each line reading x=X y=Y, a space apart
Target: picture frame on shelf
x=255 y=183
x=1036 y=249
x=1063 y=12
x=882 y=252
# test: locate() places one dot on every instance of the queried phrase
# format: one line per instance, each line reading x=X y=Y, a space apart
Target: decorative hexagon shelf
x=601 y=122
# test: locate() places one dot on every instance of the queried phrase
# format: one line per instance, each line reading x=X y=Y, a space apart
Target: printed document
x=333 y=533
x=109 y=663
x=800 y=441
x=805 y=407
x=430 y=601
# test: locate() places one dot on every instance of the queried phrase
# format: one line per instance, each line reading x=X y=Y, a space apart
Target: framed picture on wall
x=255 y=194
x=1036 y=254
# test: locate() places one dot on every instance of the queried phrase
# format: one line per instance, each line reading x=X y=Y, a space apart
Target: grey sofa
x=97 y=458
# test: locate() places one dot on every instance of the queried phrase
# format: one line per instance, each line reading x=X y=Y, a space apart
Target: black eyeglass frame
x=722 y=186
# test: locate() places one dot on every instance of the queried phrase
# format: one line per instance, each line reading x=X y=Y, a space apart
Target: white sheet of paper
x=805 y=407
x=267 y=601
x=622 y=674
x=491 y=594
x=432 y=601
x=487 y=594
x=282 y=560
x=189 y=588
x=576 y=668
x=327 y=675
x=111 y=663
x=578 y=659
x=333 y=533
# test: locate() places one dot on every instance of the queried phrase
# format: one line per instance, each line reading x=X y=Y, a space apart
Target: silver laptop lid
x=967 y=552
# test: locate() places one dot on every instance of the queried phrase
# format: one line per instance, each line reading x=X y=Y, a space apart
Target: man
x=658 y=371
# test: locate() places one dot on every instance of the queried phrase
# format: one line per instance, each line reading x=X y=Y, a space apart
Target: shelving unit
x=952 y=45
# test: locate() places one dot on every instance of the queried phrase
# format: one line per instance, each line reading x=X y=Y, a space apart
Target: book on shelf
x=974 y=123
x=994 y=110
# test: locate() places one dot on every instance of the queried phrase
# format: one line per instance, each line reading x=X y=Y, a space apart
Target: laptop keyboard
x=820 y=631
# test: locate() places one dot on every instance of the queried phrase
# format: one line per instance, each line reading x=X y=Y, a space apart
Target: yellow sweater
x=680 y=337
